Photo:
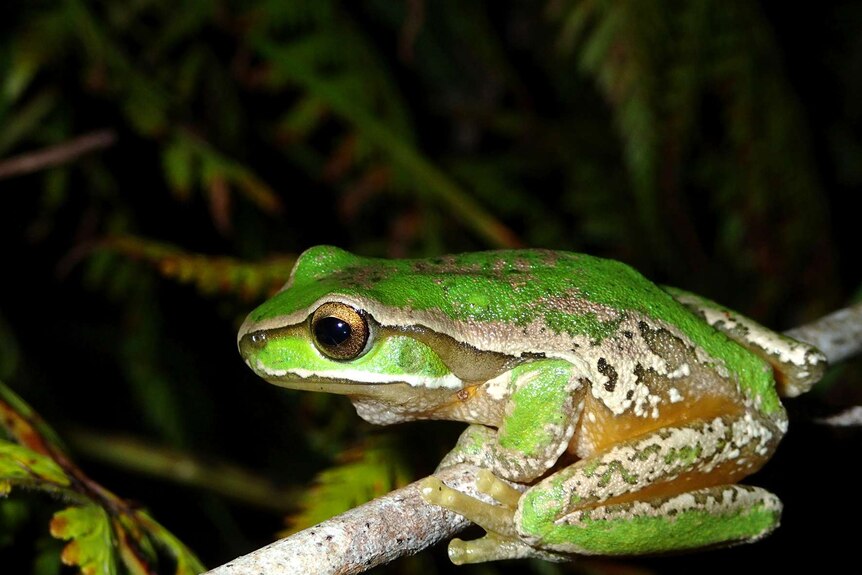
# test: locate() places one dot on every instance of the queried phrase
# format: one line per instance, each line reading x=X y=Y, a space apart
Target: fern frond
x=210 y=275
x=622 y=43
x=103 y=530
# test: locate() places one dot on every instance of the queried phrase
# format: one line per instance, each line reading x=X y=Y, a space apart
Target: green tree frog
x=629 y=410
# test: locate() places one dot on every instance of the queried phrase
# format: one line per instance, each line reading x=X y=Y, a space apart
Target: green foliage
x=92 y=545
x=102 y=529
x=359 y=476
x=27 y=468
x=189 y=161
x=211 y=275
x=717 y=52
x=705 y=143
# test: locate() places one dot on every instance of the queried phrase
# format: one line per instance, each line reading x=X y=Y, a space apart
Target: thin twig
x=56 y=155
x=838 y=335
x=397 y=524
x=848 y=418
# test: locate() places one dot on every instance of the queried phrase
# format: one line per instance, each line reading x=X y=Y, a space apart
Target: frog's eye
x=340 y=331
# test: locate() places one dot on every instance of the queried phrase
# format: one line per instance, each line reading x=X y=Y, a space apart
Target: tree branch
x=838 y=335
x=397 y=524
x=851 y=417
x=56 y=155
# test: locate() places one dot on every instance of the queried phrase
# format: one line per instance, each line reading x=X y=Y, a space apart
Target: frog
x=608 y=415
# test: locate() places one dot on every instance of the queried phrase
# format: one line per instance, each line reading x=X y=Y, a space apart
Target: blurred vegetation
x=162 y=163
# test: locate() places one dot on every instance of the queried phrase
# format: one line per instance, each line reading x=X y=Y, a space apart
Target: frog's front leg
x=544 y=400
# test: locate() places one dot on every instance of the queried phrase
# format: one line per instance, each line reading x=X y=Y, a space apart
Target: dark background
x=713 y=145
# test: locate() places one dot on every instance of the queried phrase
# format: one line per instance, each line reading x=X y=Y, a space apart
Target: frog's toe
x=501 y=540
x=493 y=518
x=493 y=547
x=493 y=486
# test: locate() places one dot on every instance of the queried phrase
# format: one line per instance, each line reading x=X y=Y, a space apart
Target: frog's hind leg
x=667 y=490
x=707 y=517
x=670 y=489
x=797 y=365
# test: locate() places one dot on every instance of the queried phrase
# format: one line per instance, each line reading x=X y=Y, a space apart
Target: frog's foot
x=501 y=540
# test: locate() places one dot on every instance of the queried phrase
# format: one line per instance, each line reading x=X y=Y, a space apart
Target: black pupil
x=332 y=331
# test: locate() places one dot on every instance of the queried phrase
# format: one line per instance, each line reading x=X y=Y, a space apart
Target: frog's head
x=336 y=327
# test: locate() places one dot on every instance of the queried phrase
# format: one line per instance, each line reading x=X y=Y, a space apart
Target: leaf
x=187 y=562
x=301 y=119
x=104 y=528
x=24 y=426
x=22 y=120
x=18 y=74
x=620 y=52
x=91 y=546
x=429 y=179
x=217 y=165
x=19 y=465
x=209 y=274
x=179 y=167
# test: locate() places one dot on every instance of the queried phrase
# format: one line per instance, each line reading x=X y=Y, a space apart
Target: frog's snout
x=252 y=342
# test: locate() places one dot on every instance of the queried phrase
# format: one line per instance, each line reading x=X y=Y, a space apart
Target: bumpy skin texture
x=646 y=410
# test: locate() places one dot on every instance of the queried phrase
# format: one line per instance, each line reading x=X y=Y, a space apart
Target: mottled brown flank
x=520 y=265
x=608 y=371
x=550 y=257
x=517 y=273
x=644 y=327
x=422 y=266
x=450 y=264
x=500 y=268
x=573 y=302
x=362 y=277
x=517 y=281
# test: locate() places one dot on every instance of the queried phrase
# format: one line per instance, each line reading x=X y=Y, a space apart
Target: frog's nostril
x=251 y=342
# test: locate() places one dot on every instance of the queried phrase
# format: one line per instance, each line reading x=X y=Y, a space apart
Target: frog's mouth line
x=337 y=386
x=399 y=400
x=354 y=378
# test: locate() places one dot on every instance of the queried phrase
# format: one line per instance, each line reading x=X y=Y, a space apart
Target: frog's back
x=570 y=292
x=600 y=314
x=497 y=300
